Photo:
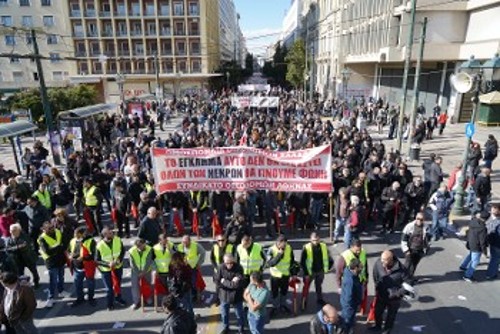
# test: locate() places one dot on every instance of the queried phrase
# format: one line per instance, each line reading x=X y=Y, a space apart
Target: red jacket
x=5 y=222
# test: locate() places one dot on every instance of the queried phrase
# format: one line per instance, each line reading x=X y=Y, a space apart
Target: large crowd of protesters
x=75 y=217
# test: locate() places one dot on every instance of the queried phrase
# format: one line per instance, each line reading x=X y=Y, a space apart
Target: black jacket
x=476 y=236
x=482 y=186
x=388 y=284
x=229 y=291
x=490 y=150
x=179 y=322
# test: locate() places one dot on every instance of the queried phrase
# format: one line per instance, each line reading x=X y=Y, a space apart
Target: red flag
x=114 y=215
x=145 y=288
x=87 y=216
x=159 y=288
x=116 y=283
x=277 y=221
x=177 y=223
x=134 y=211
x=244 y=139
x=200 y=282
x=68 y=262
x=371 y=314
x=291 y=219
x=195 y=227
x=364 y=302
x=89 y=266
x=216 y=226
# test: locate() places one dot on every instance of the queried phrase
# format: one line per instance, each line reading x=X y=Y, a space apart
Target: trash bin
x=415 y=152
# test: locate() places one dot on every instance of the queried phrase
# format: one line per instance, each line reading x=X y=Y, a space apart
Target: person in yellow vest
x=250 y=256
x=52 y=251
x=43 y=196
x=92 y=199
x=109 y=258
x=162 y=256
x=315 y=262
x=141 y=264
x=279 y=259
x=355 y=252
x=81 y=253
x=220 y=248
x=194 y=254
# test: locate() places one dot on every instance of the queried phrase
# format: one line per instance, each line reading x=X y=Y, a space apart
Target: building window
x=182 y=67
x=196 y=66
x=178 y=9
x=10 y=40
x=57 y=76
x=1 y=77
x=48 y=20
x=27 y=21
x=24 y=2
x=54 y=57
x=18 y=76
x=165 y=9
x=195 y=48
x=35 y=76
x=3 y=2
x=46 y=2
x=181 y=48
x=51 y=39
x=29 y=38
x=194 y=9
x=15 y=60
x=6 y=21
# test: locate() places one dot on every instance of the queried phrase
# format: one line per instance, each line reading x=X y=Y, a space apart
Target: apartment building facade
x=172 y=43
x=55 y=43
x=369 y=38
x=229 y=32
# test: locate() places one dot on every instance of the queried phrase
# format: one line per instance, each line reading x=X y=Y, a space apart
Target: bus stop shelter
x=14 y=129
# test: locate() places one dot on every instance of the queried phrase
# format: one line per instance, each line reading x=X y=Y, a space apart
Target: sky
x=261 y=17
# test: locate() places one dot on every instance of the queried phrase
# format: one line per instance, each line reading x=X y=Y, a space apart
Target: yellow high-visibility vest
x=162 y=257
x=348 y=255
x=191 y=254
x=282 y=268
x=309 y=257
x=43 y=198
x=250 y=262
x=90 y=197
x=217 y=252
x=110 y=254
x=52 y=243
x=139 y=258
x=197 y=196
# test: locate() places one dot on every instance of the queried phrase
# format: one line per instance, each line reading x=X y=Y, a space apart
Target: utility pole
x=306 y=72
x=416 y=88
x=54 y=146
x=409 y=45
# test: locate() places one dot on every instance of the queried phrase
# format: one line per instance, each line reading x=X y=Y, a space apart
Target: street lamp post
x=120 y=81
x=472 y=76
x=228 y=75
x=346 y=75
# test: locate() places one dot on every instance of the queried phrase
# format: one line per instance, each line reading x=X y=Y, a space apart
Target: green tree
x=60 y=99
x=296 y=60
x=249 y=65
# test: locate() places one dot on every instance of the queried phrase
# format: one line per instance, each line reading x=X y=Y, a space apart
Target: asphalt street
x=446 y=304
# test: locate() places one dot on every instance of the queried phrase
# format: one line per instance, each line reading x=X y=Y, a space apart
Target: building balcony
x=135 y=14
x=78 y=34
x=107 y=33
x=136 y=33
x=123 y=52
x=104 y=14
x=95 y=53
x=81 y=53
x=180 y=33
x=151 y=33
x=90 y=13
x=194 y=12
x=138 y=53
x=164 y=13
x=120 y=14
x=195 y=52
x=75 y=13
x=121 y=34
x=194 y=33
x=149 y=13
x=166 y=52
x=180 y=53
x=178 y=13
x=166 y=32
x=140 y=71
x=92 y=34
x=110 y=53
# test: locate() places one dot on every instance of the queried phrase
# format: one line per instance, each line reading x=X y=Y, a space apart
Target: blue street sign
x=469 y=130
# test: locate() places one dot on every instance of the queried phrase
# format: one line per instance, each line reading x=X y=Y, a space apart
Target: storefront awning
x=89 y=111
x=16 y=128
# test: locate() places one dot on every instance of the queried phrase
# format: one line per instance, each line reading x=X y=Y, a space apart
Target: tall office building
x=170 y=43
x=51 y=20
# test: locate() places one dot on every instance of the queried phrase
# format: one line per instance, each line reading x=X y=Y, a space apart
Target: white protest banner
x=241 y=169
x=255 y=101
